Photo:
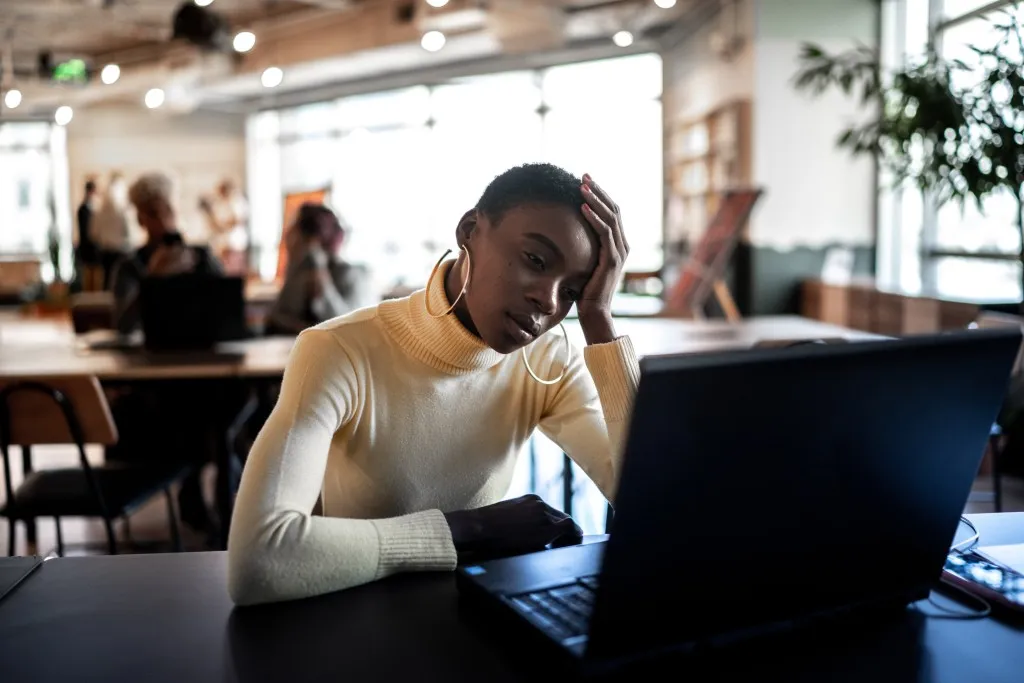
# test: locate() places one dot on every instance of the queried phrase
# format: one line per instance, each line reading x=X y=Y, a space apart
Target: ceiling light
x=244 y=41
x=437 y=3
x=13 y=98
x=272 y=77
x=623 y=39
x=154 y=98
x=110 y=74
x=432 y=41
x=663 y=4
x=63 y=115
x=203 y=3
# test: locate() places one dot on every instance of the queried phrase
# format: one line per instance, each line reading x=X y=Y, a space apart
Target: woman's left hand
x=595 y=304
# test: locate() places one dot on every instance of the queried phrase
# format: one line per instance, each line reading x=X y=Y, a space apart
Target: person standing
x=87 y=257
x=228 y=215
x=109 y=227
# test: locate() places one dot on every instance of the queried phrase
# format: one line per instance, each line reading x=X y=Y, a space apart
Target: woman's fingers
x=599 y=191
x=608 y=210
x=605 y=234
x=598 y=205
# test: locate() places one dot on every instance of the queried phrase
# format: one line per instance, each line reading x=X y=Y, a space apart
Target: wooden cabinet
x=862 y=306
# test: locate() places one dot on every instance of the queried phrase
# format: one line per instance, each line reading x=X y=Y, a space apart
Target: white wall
x=699 y=79
x=196 y=150
x=816 y=194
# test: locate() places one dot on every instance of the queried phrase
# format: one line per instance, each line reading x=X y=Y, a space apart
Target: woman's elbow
x=250 y=578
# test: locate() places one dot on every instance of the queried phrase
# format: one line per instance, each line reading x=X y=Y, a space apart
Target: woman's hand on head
x=511 y=527
x=595 y=304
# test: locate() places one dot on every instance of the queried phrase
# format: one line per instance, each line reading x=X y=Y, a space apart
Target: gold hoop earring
x=526 y=362
x=465 y=284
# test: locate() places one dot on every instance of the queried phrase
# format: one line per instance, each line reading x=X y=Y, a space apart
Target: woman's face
x=527 y=271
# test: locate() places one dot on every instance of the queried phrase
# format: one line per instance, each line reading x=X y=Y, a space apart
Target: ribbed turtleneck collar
x=442 y=343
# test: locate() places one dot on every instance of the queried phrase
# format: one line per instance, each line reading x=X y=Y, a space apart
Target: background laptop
x=191 y=312
x=763 y=488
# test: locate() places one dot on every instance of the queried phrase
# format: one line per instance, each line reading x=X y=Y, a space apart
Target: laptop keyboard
x=561 y=612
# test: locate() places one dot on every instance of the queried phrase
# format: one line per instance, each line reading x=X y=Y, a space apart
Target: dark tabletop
x=159 y=618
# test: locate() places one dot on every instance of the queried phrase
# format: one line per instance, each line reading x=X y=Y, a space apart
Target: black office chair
x=73 y=410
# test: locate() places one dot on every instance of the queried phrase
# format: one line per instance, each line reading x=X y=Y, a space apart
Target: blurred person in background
x=87 y=255
x=172 y=422
x=109 y=227
x=318 y=284
x=164 y=253
x=227 y=215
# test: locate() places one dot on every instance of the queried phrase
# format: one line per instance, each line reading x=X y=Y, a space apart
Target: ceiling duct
x=201 y=27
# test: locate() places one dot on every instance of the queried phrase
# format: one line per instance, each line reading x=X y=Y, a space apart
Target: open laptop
x=191 y=312
x=763 y=488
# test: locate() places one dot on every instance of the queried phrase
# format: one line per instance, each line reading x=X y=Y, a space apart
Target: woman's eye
x=535 y=260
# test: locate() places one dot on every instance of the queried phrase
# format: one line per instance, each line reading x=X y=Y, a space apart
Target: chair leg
x=172 y=520
x=108 y=527
x=127 y=526
x=10 y=537
x=60 y=537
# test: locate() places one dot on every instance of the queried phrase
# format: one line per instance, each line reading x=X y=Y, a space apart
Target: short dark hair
x=310 y=217
x=90 y=186
x=530 y=184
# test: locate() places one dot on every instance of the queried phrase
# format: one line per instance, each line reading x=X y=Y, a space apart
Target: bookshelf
x=707 y=155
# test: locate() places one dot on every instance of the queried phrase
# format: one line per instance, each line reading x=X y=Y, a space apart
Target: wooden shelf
x=861 y=305
x=708 y=155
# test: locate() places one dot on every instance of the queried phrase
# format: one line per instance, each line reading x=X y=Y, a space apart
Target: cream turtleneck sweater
x=390 y=417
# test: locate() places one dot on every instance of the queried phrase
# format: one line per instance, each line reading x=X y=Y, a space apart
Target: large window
x=33 y=194
x=403 y=166
x=949 y=251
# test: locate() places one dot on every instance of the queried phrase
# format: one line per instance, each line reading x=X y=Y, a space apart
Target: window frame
x=339 y=131
x=930 y=252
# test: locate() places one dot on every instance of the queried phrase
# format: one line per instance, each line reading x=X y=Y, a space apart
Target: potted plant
x=953 y=130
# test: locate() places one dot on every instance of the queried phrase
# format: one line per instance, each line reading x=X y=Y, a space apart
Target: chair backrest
x=37 y=419
x=990 y=320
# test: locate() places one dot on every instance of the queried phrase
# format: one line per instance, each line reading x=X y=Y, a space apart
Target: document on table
x=1010 y=556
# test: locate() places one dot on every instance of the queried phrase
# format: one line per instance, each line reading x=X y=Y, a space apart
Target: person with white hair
x=164 y=253
x=179 y=411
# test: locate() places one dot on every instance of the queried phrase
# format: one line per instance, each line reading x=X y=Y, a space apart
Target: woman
x=227 y=216
x=405 y=420
x=318 y=285
x=109 y=227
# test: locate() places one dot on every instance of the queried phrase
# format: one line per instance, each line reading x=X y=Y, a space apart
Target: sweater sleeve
x=588 y=414
x=277 y=550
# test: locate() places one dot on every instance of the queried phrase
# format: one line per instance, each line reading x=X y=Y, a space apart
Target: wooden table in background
x=49 y=348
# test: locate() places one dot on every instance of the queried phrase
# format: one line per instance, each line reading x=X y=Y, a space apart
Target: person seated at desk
x=177 y=412
x=318 y=285
x=401 y=424
x=164 y=253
